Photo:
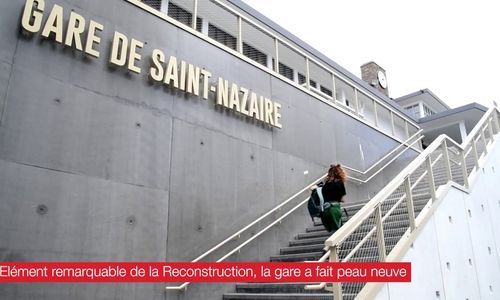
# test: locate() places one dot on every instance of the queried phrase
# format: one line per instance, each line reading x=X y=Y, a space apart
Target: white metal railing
x=355 y=110
x=408 y=143
x=417 y=137
x=418 y=180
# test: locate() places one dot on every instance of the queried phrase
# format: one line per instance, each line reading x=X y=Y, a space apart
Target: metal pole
x=356 y=103
x=380 y=233
x=195 y=14
x=392 y=124
x=337 y=286
x=446 y=158
x=334 y=89
x=276 y=56
x=240 y=38
x=495 y=117
x=409 y=203
x=490 y=127
x=474 y=149
x=464 y=169
x=407 y=129
x=308 y=74
x=484 y=141
x=430 y=174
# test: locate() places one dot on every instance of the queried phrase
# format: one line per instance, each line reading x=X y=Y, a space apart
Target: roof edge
x=470 y=106
x=423 y=91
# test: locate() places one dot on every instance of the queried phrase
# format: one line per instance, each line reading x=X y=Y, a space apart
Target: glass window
x=325 y=90
x=254 y=54
x=384 y=119
x=221 y=36
x=427 y=111
x=366 y=108
x=156 y=4
x=344 y=93
x=414 y=110
x=399 y=128
x=286 y=71
x=257 y=45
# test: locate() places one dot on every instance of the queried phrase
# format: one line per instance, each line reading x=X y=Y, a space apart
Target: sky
x=449 y=47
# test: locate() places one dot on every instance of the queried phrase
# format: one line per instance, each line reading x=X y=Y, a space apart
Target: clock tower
x=375 y=76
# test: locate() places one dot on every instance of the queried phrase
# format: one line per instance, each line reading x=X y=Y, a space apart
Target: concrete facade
x=99 y=164
x=456 y=256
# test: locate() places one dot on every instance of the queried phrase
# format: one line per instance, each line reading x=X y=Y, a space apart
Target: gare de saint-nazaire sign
x=84 y=36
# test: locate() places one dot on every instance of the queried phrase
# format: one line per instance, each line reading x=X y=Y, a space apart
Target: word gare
x=84 y=35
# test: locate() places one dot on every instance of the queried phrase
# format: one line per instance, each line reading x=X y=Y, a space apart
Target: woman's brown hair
x=336 y=173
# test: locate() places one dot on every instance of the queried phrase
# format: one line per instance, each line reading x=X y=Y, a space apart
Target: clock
x=381 y=79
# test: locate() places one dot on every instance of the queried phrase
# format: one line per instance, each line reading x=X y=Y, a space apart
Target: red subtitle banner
x=203 y=272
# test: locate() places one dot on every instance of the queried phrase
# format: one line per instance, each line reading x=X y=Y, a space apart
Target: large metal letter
x=35 y=13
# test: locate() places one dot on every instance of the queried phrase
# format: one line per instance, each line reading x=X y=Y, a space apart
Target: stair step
x=302 y=249
x=305 y=242
x=349 y=245
x=314 y=256
x=391 y=223
x=297 y=257
x=290 y=288
x=276 y=288
x=392 y=236
x=284 y=296
x=308 y=235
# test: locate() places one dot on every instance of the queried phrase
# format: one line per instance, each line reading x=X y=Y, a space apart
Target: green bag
x=332 y=217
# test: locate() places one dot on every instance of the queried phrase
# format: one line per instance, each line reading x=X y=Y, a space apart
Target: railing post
x=409 y=203
x=490 y=127
x=375 y=113
x=337 y=286
x=464 y=169
x=484 y=141
x=407 y=130
x=308 y=74
x=239 y=46
x=380 y=233
x=276 y=56
x=356 y=103
x=430 y=174
x=474 y=149
x=495 y=117
x=195 y=14
x=446 y=158
x=392 y=124
x=334 y=89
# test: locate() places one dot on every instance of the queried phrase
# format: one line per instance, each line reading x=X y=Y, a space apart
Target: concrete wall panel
x=86 y=219
x=218 y=185
x=427 y=276
x=9 y=29
x=5 y=70
x=53 y=125
x=456 y=254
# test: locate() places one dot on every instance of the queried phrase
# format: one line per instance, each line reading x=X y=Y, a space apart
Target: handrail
x=184 y=285
x=239 y=232
x=405 y=143
x=489 y=119
x=364 y=212
x=394 y=150
x=393 y=159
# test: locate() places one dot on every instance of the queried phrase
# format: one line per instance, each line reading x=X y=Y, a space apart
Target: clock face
x=381 y=79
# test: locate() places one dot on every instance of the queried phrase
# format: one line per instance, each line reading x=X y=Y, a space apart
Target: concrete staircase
x=309 y=244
